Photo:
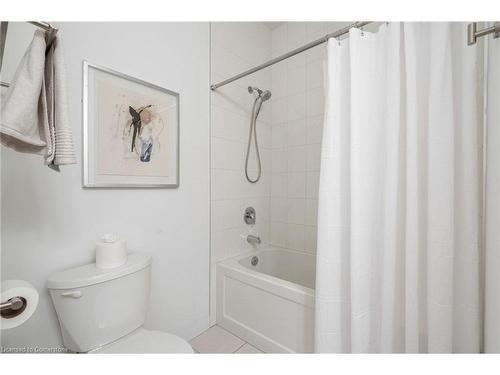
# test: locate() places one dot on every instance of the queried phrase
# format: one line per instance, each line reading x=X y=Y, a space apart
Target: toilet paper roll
x=23 y=289
x=111 y=252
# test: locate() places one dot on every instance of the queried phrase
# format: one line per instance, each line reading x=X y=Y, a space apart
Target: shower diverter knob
x=249 y=216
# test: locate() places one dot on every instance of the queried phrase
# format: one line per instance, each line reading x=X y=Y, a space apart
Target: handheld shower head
x=266 y=95
x=259 y=98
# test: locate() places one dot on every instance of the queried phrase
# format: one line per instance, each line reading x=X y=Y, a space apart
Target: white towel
x=34 y=116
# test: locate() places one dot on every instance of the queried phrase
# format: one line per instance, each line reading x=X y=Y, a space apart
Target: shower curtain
x=399 y=217
x=492 y=201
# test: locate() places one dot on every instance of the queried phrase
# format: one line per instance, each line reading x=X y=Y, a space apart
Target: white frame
x=87 y=178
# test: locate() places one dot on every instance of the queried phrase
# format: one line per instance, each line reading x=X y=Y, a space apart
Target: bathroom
x=314 y=185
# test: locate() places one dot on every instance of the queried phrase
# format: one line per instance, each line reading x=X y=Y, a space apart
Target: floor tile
x=247 y=348
x=216 y=340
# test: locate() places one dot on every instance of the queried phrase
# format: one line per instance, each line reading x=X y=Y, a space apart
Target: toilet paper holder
x=12 y=307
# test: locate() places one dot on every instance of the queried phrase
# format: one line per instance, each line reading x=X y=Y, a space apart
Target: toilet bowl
x=103 y=310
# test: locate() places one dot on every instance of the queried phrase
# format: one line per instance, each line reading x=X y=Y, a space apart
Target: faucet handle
x=249 y=216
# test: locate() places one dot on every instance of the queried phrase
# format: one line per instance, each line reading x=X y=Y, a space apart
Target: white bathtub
x=270 y=305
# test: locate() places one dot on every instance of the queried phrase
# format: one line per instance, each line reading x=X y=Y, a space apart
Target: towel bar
x=41 y=24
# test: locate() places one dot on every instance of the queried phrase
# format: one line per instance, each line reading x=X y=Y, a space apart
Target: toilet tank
x=98 y=306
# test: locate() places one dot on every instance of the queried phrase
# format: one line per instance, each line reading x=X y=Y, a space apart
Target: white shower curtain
x=399 y=227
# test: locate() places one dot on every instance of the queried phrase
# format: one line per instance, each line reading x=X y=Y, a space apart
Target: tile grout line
x=201 y=333
x=215 y=325
x=244 y=343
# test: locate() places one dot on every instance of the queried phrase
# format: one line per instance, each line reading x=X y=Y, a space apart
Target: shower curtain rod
x=472 y=35
x=294 y=52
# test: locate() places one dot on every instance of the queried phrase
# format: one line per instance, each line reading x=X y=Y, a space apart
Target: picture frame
x=130 y=131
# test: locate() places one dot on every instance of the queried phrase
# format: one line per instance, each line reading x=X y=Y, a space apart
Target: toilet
x=103 y=310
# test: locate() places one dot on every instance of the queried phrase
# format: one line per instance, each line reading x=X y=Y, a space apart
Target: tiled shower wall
x=289 y=135
x=236 y=47
x=297 y=126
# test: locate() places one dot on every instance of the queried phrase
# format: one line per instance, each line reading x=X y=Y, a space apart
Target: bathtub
x=269 y=302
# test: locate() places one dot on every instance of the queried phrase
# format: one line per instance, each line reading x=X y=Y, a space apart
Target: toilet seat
x=145 y=341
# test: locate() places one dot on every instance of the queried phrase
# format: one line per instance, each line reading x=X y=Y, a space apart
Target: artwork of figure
x=139 y=131
x=133 y=135
x=131 y=132
x=140 y=120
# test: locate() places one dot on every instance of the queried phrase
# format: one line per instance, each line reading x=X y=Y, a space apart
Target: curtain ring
x=362 y=32
x=338 y=40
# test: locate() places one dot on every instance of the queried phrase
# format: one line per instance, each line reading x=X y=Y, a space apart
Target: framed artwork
x=130 y=131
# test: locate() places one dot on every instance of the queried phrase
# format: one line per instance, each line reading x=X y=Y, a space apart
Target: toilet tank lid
x=89 y=274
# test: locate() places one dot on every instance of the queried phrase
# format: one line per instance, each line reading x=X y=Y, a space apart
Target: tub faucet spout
x=253 y=239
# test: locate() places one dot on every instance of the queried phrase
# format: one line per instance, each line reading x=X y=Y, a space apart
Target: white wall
x=236 y=47
x=49 y=222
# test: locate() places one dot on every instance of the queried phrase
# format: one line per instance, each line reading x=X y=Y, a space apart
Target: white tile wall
x=289 y=132
x=297 y=127
x=236 y=47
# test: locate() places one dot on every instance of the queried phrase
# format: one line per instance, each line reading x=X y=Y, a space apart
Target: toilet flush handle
x=74 y=294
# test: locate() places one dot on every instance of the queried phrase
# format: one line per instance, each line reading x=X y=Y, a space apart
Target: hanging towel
x=34 y=115
x=61 y=137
